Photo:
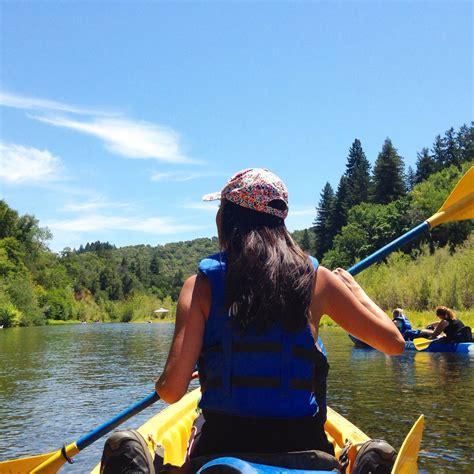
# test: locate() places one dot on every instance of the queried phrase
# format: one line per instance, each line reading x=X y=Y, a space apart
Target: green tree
x=340 y=208
x=305 y=242
x=155 y=265
x=425 y=165
x=428 y=197
x=389 y=182
x=358 y=176
x=438 y=153
x=8 y=221
x=465 y=141
x=452 y=152
x=410 y=179
x=58 y=304
x=323 y=221
x=370 y=227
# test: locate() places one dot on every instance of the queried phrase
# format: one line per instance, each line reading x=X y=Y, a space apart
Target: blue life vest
x=403 y=323
x=275 y=374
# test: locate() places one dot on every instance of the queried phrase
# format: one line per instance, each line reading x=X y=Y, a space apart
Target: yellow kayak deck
x=171 y=428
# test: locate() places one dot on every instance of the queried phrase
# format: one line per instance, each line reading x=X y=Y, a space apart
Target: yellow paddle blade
x=460 y=203
x=407 y=459
x=42 y=463
x=21 y=465
x=421 y=343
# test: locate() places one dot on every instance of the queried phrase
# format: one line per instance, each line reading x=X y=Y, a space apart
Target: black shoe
x=375 y=456
x=126 y=452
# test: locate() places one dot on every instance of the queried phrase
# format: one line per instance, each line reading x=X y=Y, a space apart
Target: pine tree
x=305 y=242
x=389 y=182
x=439 y=155
x=452 y=152
x=425 y=165
x=155 y=265
x=411 y=179
x=322 y=223
x=465 y=141
x=358 y=176
x=339 y=215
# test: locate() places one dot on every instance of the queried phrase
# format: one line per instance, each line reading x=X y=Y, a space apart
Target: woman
x=453 y=328
x=250 y=318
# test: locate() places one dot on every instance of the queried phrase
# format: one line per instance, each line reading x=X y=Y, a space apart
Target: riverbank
x=418 y=319
x=60 y=322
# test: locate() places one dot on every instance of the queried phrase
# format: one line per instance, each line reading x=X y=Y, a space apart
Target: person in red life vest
x=249 y=320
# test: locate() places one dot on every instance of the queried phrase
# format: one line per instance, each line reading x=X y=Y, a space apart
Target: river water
x=59 y=382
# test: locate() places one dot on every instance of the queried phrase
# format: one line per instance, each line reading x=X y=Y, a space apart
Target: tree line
x=371 y=206
x=99 y=282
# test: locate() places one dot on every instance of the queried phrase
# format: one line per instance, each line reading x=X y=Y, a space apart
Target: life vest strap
x=258 y=382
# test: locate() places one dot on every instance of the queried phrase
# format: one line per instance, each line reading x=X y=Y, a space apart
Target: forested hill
x=101 y=282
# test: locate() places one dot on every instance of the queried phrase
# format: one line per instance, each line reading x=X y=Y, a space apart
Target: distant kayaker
x=404 y=325
x=453 y=328
x=250 y=318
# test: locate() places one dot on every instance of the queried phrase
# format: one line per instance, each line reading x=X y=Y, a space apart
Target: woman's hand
x=347 y=279
x=354 y=287
x=338 y=295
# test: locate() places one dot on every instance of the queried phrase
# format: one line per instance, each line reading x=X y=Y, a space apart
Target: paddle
x=421 y=343
x=459 y=206
x=51 y=462
x=406 y=462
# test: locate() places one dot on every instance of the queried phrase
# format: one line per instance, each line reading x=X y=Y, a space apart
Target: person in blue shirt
x=249 y=319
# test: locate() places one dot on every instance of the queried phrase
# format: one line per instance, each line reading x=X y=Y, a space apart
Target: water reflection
x=57 y=383
x=436 y=384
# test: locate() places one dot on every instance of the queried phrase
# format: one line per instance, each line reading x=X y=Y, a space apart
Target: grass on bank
x=418 y=319
x=60 y=322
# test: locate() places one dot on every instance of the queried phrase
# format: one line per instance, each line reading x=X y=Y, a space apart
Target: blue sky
x=116 y=117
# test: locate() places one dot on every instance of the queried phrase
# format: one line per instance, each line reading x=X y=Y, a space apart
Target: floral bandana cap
x=254 y=188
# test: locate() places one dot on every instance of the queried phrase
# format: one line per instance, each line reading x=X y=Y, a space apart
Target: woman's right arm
x=193 y=308
x=340 y=297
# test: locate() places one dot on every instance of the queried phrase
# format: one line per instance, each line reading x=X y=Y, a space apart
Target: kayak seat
x=231 y=465
x=291 y=462
x=303 y=460
x=464 y=335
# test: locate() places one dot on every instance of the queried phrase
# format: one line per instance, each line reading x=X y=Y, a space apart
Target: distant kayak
x=459 y=347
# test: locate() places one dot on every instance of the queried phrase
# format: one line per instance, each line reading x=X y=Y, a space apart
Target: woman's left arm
x=193 y=308
x=440 y=327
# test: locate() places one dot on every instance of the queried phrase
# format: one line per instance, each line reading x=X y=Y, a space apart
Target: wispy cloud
x=21 y=164
x=33 y=103
x=202 y=206
x=99 y=222
x=94 y=203
x=142 y=140
x=176 y=176
x=120 y=135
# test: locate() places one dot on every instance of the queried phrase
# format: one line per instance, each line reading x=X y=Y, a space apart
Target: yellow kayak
x=171 y=429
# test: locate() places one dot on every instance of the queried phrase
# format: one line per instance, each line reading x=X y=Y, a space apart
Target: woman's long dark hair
x=269 y=278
